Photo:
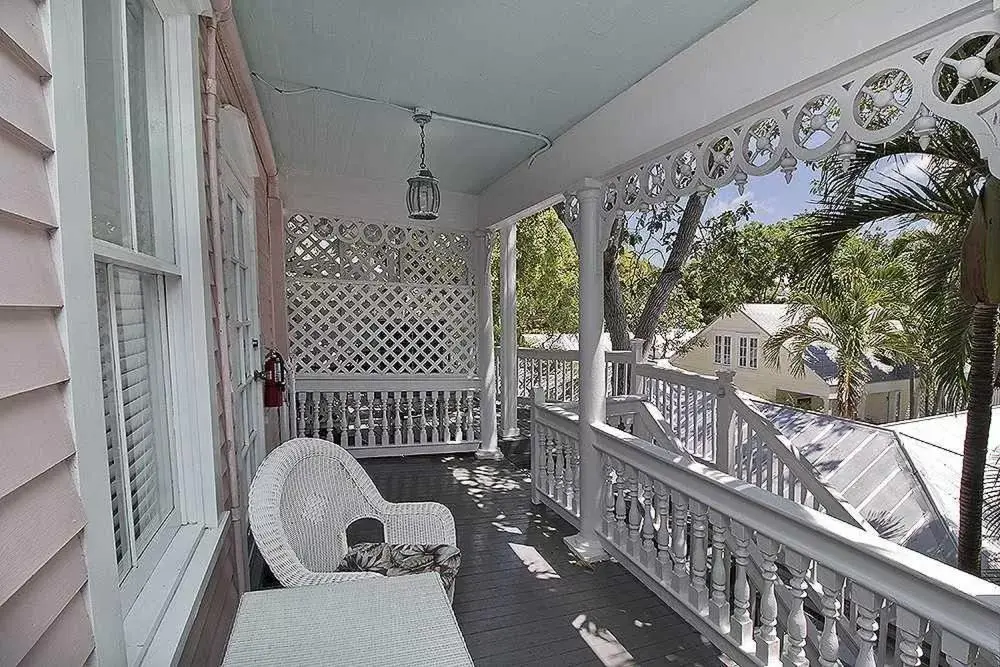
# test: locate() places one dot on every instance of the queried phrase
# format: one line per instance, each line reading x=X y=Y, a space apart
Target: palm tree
x=961 y=345
x=860 y=322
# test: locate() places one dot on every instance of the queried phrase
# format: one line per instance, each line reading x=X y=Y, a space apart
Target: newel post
x=508 y=330
x=638 y=357
x=724 y=445
x=591 y=239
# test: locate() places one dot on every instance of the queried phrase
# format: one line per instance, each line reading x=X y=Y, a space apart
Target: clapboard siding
x=24 y=280
x=68 y=641
x=21 y=34
x=33 y=354
x=24 y=185
x=36 y=522
x=43 y=610
x=22 y=103
x=34 y=436
x=33 y=609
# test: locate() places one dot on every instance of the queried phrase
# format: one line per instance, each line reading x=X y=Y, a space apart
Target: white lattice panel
x=381 y=328
x=383 y=299
x=322 y=247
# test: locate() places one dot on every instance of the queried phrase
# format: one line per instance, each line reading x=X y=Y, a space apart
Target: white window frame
x=743 y=352
x=727 y=350
x=754 y=350
x=718 y=348
x=161 y=616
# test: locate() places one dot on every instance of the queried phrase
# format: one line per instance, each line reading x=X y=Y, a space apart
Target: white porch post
x=590 y=244
x=482 y=245
x=508 y=330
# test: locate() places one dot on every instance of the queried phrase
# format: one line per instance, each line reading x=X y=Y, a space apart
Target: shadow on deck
x=520 y=597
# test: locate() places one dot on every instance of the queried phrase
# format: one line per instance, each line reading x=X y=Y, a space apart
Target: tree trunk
x=977 y=433
x=670 y=275
x=614 y=304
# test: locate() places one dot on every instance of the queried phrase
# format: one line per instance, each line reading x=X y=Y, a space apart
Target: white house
x=736 y=342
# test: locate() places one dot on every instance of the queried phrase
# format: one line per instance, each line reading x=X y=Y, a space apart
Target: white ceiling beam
x=773 y=48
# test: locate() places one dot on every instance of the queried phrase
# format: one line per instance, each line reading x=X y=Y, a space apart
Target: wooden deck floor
x=520 y=598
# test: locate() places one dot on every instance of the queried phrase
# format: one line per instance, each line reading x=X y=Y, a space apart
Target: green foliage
x=548 y=298
x=864 y=317
x=734 y=264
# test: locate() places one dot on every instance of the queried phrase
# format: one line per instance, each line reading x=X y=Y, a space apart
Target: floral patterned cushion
x=393 y=560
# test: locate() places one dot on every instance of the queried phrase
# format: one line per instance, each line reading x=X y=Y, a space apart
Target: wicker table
x=373 y=622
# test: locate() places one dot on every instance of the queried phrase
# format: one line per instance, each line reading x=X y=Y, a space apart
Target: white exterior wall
x=763 y=381
x=877 y=409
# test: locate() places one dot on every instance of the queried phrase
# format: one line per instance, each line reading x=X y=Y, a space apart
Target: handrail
x=835 y=505
x=677 y=376
x=921 y=585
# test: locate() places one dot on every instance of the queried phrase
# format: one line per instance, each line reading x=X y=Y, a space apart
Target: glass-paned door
x=240 y=262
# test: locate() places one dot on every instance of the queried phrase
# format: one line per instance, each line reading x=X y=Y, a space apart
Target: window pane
x=104 y=70
x=148 y=126
x=111 y=423
x=138 y=319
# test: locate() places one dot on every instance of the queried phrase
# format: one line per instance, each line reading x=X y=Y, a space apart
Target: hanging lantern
x=423 y=197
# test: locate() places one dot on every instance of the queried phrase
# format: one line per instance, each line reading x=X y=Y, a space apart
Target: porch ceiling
x=539 y=66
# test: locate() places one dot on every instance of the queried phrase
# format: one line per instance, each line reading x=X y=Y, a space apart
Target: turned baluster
x=316 y=409
x=325 y=420
x=648 y=530
x=718 y=606
x=698 y=595
x=383 y=436
x=371 y=417
x=300 y=414
x=550 y=463
x=741 y=623
x=768 y=646
x=829 y=643
x=560 y=463
x=444 y=428
x=356 y=398
x=795 y=628
x=910 y=630
x=422 y=407
x=662 y=532
x=397 y=430
x=956 y=649
x=634 y=512
x=342 y=417
x=608 y=519
x=678 y=541
x=866 y=605
x=411 y=433
x=573 y=476
x=621 y=509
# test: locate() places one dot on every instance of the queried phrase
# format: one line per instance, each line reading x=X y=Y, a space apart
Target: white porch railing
x=557 y=373
x=391 y=415
x=766 y=579
x=718 y=426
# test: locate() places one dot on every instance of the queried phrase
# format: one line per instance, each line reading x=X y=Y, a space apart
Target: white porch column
x=482 y=245
x=591 y=239
x=508 y=330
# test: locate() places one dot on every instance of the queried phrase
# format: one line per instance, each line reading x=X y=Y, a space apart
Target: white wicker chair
x=304 y=496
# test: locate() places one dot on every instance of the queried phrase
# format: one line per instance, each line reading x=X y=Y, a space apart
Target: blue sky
x=772 y=199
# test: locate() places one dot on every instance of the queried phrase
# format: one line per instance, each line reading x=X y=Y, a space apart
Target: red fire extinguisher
x=274 y=380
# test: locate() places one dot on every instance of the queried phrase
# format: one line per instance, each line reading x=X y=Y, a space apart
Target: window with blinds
x=133 y=362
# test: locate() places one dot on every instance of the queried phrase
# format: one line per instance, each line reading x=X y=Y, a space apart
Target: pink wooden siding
x=43 y=612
